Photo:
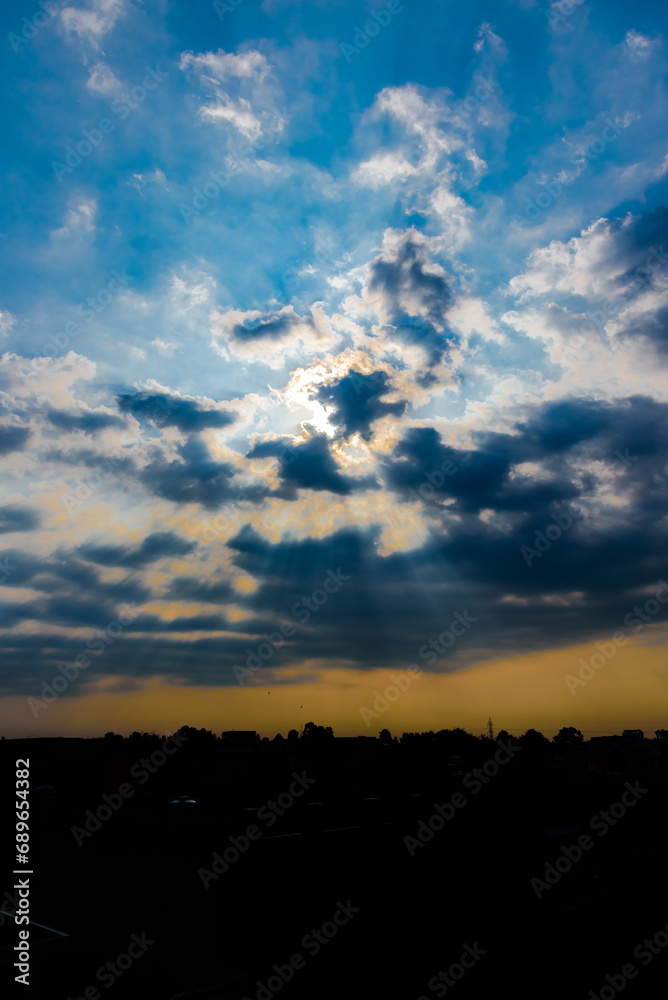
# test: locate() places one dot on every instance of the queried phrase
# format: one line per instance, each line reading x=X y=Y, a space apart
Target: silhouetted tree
x=293 y=736
x=533 y=740
x=198 y=738
x=385 y=736
x=455 y=741
x=568 y=736
x=317 y=734
x=504 y=735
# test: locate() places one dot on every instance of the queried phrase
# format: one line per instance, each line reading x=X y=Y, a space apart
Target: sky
x=333 y=349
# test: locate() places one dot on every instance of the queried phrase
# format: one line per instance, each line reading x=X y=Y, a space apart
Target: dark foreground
x=328 y=899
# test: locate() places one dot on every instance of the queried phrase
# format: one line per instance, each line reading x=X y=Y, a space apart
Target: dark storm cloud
x=413 y=298
x=66 y=582
x=193 y=478
x=655 y=329
x=272 y=326
x=16 y=518
x=189 y=588
x=357 y=402
x=384 y=608
x=173 y=411
x=90 y=423
x=159 y=545
x=308 y=466
x=486 y=477
x=13 y=438
x=640 y=244
x=407 y=287
x=105 y=464
x=637 y=254
x=474 y=480
x=196 y=479
x=29 y=661
x=191 y=623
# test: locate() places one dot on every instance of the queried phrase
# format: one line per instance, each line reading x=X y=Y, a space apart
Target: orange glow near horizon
x=520 y=692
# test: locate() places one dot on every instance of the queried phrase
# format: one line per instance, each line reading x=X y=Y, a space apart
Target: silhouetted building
x=240 y=739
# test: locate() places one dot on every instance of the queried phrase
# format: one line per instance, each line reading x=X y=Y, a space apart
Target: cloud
x=195 y=478
x=308 y=466
x=102 y=80
x=410 y=294
x=18 y=518
x=639 y=44
x=423 y=342
x=620 y=266
x=13 y=437
x=80 y=218
x=270 y=338
x=91 y=24
x=487 y=37
x=163 y=346
x=162 y=409
x=89 y=423
x=7 y=322
x=356 y=402
x=403 y=284
x=240 y=93
x=223 y=65
x=190 y=588
x=158 y=545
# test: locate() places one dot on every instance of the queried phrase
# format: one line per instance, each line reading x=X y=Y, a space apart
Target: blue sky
x=229 y=237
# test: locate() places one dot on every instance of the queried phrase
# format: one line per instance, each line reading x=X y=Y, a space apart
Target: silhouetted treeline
x=447 y=739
